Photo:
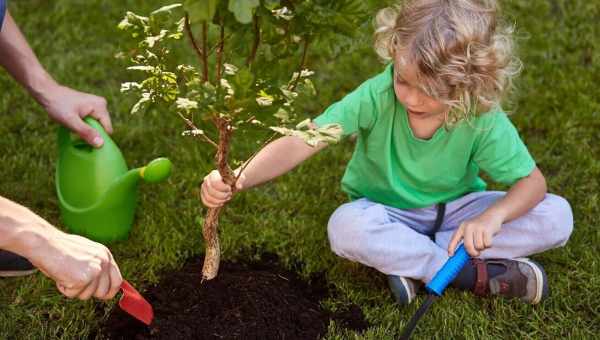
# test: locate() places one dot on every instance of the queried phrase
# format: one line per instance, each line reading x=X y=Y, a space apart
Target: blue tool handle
x=449 y=271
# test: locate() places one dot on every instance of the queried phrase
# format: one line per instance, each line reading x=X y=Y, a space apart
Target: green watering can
x=96 y=192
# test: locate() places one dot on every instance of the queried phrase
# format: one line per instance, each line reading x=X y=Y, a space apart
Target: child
x=426 y=126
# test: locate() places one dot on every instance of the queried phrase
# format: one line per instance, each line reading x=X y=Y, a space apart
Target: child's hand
x=215 y=192
x=477 y=234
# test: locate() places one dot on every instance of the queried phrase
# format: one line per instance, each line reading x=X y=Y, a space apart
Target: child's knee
x=560 y=216
x=344 y=229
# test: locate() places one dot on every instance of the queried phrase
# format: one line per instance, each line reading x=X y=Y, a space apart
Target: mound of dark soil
x=245 y=301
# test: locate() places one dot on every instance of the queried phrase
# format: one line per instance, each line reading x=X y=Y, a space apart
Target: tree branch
x=302 y=62
x=188 y=30
x=214 y=48
x=220 y=49
x=204 y=48
x=193 y=127
x=252 y=55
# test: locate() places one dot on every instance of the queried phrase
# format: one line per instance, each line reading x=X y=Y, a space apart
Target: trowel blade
x=134 y=303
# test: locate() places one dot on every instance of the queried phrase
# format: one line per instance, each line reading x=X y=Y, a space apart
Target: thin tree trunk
x=212 y=255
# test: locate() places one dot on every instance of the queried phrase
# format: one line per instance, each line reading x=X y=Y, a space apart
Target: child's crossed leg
x=403 y=243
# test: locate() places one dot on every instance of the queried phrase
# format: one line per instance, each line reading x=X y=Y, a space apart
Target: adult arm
x=81 y=268
x=63 y=104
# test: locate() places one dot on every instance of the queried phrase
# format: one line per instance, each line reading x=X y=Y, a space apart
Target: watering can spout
x=156 y=171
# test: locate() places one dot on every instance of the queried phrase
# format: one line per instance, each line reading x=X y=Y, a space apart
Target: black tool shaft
x=412 y=324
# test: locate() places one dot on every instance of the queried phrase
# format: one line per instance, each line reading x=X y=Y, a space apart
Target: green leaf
x=201 y=10
x=142 y=103
x=152 y=40
x=243 y=80
x=282 y=115
x=144 y=68
x=242 y=9
x=186 y=104
x=271 y=4
x=130 y=86
x=303 y=124
x=165 y=9
x=133 y=20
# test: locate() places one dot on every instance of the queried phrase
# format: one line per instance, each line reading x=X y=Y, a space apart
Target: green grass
x=557 y=111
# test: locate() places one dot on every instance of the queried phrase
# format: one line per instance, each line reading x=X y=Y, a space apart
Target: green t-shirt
x=392 y=166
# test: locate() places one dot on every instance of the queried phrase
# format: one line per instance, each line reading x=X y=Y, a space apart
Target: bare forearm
x=20 y=61
x=522 y=197
x=276 y=159
x=21 y=230
x=81 y=268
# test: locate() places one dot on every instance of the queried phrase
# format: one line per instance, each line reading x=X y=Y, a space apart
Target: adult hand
x=80 y=267
x=477 y=234
x=68 y=107
x=64 y=105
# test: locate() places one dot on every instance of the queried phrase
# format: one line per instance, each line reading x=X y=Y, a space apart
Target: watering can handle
x=68 y=138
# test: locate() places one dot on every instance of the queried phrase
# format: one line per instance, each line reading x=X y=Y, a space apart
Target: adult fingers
x=89 y=290
x=70 y=292
x=86 y=132
x=115 y=281
x=112 y=277
x=103 y=287
x=458 y=234
x=100 y=112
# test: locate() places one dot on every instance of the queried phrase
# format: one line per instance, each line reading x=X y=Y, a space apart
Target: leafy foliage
x=237 y=91
x=245 y=76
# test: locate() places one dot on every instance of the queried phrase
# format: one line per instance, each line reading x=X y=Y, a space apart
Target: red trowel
x=134 y=303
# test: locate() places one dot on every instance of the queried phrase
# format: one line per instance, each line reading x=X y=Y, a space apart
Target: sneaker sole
x=16 y=273
x=408 y=286
x=404 y=296
x=540 y=278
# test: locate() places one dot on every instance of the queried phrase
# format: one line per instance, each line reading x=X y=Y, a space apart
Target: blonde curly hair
x=463 y=54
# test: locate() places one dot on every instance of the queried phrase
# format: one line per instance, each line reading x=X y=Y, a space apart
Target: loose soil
x=245 y=301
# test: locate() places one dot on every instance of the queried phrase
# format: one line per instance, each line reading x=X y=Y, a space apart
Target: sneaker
x=523 y=278
x=14 y=265
x=403 y=288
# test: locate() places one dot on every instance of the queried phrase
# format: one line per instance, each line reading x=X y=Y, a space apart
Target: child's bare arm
x=524 y=195
x=275 y=159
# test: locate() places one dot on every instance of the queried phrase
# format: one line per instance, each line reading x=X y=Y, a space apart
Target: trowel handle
x=448 y=272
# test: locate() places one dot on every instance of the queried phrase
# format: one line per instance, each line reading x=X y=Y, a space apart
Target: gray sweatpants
x=398 y=242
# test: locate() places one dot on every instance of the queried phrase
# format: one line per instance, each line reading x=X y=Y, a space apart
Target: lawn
x=556 y=109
